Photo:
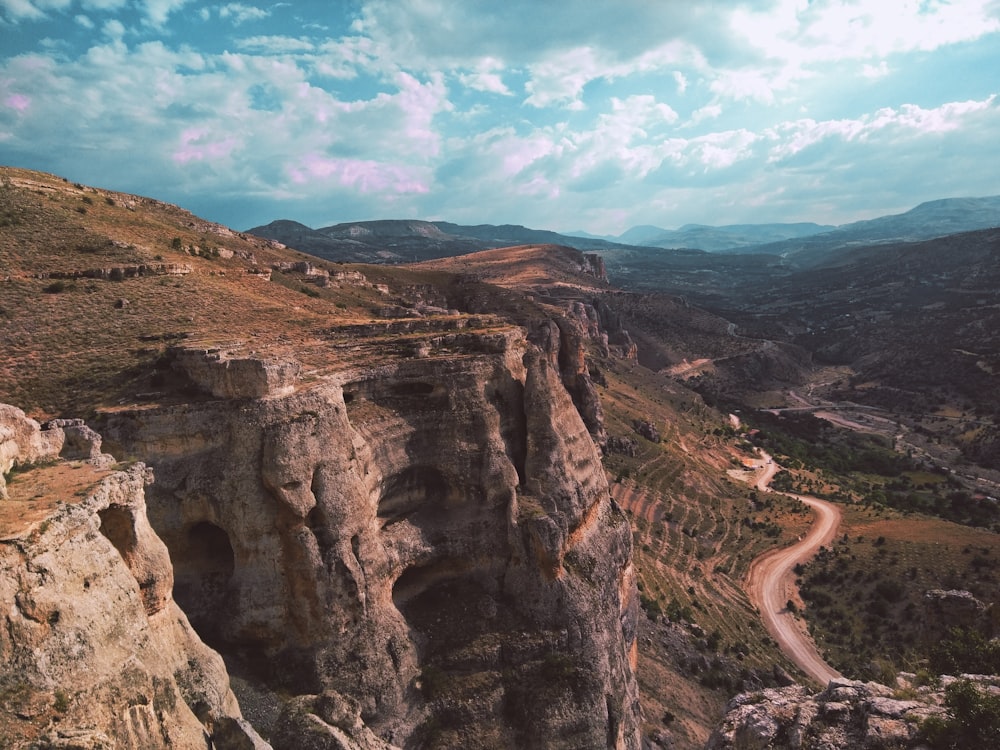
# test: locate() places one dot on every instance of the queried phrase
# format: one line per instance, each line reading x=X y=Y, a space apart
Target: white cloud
x=875 y=71
x=744 y=84
x=104 y=5
x=158 y=11
x=831 y=30
x=84 y=21
x=113 y=29
x=722 y=150
x=343 y=58
x=906 y=122
x=31 y=10
x=487 y=77
x=708 y=112
x=603 y=109
x=364 y=175
x=276 y=45
x=561 y=79
x=240 y=13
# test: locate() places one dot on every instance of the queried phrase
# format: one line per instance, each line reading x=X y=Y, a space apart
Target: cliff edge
x=95 y=652
x=427 y=543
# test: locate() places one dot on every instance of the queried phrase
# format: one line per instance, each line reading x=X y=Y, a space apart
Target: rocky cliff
x=95 y=653
x=422 y=547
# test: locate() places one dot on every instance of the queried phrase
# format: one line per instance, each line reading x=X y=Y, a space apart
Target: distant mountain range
x=714 y=239
x=802 y=244
x=408 y=241
x=938 y=218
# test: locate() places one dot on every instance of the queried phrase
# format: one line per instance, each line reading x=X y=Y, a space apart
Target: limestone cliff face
x=429 y=542
x=94 y=651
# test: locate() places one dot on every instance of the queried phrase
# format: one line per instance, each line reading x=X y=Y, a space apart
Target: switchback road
x=770 y=584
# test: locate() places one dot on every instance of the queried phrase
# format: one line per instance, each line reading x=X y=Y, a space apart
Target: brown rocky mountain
x=386 y=512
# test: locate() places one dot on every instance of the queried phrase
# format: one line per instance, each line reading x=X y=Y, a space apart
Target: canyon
x=395 y=529
x=479 y=501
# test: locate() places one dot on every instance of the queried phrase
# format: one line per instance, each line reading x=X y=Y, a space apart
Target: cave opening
x=118 y=527
x=203 y=570
x=415 y=489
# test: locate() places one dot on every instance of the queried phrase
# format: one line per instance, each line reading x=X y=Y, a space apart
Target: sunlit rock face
x=94 y=652
x=427 y=545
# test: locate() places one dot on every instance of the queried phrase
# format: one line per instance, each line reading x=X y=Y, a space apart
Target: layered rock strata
x=429 y=539
x=95 y=652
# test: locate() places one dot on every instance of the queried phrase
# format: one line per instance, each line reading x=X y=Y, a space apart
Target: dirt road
x=770 y=584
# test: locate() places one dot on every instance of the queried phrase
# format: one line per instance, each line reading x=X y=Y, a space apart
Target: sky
x=593 y=115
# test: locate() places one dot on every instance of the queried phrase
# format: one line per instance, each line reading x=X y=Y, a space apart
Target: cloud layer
x=556 y=115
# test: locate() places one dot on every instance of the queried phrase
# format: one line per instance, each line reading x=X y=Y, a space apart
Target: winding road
x=770 y=583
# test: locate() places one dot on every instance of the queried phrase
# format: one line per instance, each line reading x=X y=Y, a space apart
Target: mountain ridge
x=408 y=240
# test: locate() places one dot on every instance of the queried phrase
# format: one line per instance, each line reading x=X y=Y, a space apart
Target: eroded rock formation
x=847 y=714
x=428 y=539
x=94 y=651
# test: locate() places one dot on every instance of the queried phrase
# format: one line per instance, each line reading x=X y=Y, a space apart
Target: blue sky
x=557 y=114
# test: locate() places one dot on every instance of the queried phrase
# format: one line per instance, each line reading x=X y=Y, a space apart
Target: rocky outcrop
x=23 y=442
x=428 y=542
x=220 y=373
x=947 y=609
x=563 y=343
x=120 y=273
x=604 y=327
x=94 y=651
x=647 y=429
x=594 y=265
x=848 y=714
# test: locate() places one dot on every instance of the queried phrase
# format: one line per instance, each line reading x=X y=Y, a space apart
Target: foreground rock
x=847 y=715
x=94 y=652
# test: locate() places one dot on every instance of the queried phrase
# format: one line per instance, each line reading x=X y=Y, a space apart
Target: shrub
x=651 y=606
x=965 y=650
x=974 y=719
x=55 y=287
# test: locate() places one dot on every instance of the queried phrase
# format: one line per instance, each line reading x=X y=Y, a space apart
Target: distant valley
x=508 y=495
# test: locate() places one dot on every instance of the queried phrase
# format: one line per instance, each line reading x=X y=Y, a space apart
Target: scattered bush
x=56 y=287
x=974 y=719
x=965 y=650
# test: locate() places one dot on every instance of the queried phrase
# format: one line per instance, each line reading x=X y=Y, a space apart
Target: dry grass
x=33 y=492
x=74 y=345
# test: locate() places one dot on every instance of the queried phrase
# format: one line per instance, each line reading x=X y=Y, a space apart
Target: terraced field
x=697 y=524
